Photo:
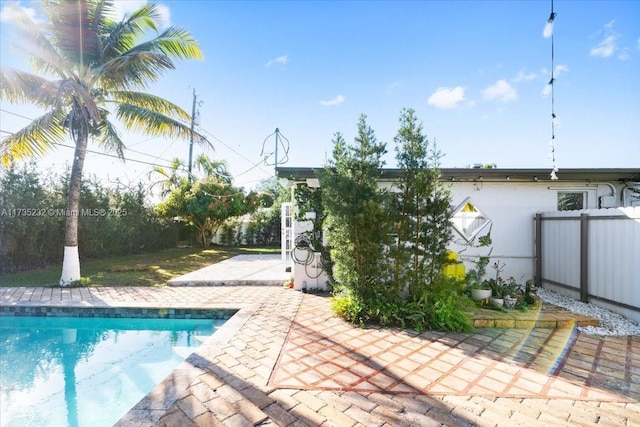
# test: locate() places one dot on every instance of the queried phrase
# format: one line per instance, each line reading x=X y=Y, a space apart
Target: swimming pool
x=89 y=371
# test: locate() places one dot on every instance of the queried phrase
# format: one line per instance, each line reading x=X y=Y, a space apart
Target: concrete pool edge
x=157 y=402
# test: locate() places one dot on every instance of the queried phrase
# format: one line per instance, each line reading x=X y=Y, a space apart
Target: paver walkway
x=241 y=270
x=325 y=353
x=243 y=374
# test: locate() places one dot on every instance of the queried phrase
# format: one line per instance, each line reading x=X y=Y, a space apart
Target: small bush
x=350 y=308
x=81 y=282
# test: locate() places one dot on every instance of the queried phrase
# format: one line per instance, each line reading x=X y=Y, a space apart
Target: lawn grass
x=152 y=269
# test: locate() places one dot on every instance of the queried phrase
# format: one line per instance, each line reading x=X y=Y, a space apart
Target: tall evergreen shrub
x=356 y=214
x=423 y=216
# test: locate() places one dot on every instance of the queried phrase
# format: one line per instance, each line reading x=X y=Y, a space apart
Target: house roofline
x=491 y=174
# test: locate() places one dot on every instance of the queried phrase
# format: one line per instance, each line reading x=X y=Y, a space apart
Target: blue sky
x=474 y=71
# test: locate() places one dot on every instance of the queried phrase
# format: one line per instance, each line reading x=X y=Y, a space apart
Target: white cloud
x=524 y=77
x=13 y=11
x=501 y=91
x=394 y=87
x=334 y=101
x=127 y=7
x=609 y=44
x=165 y=16
x=445 y=97
x=282 y=59
x=560 y=69
x=605 y=48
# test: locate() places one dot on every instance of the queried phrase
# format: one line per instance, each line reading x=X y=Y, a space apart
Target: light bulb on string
x=555 y=121
x=547 y=90
x=548 y=28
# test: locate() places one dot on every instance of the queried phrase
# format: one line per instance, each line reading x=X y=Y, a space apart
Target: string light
x=549 y=89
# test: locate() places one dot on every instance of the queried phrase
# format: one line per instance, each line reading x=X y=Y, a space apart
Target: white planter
x=496 y=302
x=510 y=302
x=480 y=294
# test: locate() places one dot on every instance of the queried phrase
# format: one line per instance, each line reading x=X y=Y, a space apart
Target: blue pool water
x=76 y=372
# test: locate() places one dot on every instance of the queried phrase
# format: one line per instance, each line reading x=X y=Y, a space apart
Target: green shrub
x=350 y=308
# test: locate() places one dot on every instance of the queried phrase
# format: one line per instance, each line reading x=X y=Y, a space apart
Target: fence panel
x=610 y=257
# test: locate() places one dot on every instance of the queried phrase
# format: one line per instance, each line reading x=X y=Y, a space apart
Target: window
x=468 y=219
x=571 y=200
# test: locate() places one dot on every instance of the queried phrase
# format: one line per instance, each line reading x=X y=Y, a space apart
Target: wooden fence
x=593 y=255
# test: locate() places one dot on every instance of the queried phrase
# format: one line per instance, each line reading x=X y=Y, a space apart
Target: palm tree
x=169 y=179
x=216 y=169
x=97 y=67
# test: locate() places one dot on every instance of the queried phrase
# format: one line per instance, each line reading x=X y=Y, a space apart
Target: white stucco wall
x=512 y=206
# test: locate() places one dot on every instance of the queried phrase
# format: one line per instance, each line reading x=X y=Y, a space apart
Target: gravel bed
x=611 y=324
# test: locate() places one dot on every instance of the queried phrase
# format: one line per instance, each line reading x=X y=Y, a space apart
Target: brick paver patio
x=285 y=360
x=323 y=352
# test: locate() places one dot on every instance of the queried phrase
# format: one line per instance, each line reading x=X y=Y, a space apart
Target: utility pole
x=275 y=167
x=193 y=122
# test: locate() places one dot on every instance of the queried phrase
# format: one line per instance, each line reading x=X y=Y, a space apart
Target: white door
x=287 y=231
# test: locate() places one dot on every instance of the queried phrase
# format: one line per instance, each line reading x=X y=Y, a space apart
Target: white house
x=506 y=202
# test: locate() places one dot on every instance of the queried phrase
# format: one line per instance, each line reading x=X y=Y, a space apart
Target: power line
x=16 y=114
x=157 y=157
x=232 y=149
x=254 y=165
x=115 y=156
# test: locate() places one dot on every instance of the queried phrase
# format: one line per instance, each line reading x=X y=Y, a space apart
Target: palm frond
x=70 y=93
x=109 y=138
x=174 y=42
x=75 y=32
x=133 y=70
x=151 y=102
x=36 y=46
x=34 y=140
x=20 y=86
x=122 y=36
x=153 y=123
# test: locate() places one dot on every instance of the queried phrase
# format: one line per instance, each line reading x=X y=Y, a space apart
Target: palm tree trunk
x=71 y=260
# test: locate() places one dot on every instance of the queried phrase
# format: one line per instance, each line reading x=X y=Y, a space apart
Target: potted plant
x=497 y=291
x=512 y=293
x=480 y=291
x=478 y=288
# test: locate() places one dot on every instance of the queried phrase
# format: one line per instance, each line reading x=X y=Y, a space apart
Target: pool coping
x=157 y=402
x=148 y=410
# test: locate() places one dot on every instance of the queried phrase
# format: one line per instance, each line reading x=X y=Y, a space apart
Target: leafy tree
x=266 y=220
x=98 y=67
x=29 y=234
x=356 y=214
x=204 y=205
x=423 y=217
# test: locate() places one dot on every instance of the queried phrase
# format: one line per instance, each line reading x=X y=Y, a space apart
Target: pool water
x=76 y=372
